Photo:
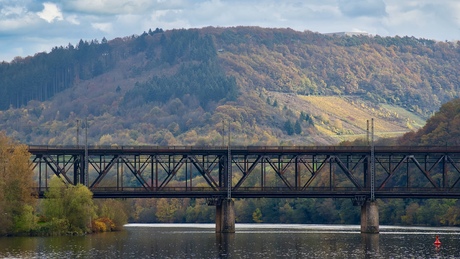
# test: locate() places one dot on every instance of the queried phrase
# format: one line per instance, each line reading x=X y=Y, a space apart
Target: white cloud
x=73 y=19
x=12 y=11
x=15 y=18
x=104 y=27
x=357 y=8
x=425 y=19
x=119 y=7
x=50 y=13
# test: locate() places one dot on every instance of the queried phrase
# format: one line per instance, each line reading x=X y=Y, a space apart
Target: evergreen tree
x=297 y=127
x=289 y=127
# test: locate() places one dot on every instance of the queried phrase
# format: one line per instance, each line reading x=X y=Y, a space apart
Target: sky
x=31 y=26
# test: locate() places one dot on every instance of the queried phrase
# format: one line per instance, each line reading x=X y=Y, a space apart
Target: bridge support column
x=225 y=216
x=370 y=217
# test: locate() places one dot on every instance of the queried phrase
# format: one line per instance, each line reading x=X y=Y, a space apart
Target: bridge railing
x=270 y=189
x=456 y=149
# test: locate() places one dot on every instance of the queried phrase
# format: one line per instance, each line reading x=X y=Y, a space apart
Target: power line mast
x=86 y=152
x=229 y=166
x=372 y=162
x=78 y=133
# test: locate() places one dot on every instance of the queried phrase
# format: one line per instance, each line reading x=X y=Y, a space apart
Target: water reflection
x=371 y=244
x=249 y=241
x=224 y=241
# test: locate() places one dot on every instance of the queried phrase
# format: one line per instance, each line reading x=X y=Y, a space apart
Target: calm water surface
x=249 y=241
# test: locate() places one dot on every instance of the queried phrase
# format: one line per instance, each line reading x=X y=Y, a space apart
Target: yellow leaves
x=257 y=216
x=106 y=139
x=74 y=204
x=102 y=224
x=166 y=209
x=16 y=200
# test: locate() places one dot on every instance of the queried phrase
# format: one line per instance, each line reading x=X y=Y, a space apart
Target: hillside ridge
x=181 y=87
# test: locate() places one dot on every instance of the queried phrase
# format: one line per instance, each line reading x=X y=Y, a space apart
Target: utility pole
x=223 y=132
x=229 y=167
x=367 y=131
x=86 y=152
x=372 y=163
x=78 y=133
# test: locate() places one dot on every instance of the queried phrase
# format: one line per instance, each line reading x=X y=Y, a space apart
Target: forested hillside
x=181 y=87
x=442 y=129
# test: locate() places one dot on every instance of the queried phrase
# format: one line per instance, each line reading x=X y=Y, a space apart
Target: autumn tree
x=17 y=203
x=257 y=216
x=114 y=211
x=167 y=209
x=69 y=207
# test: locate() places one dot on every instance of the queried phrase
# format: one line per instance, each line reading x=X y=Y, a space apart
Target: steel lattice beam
x=257 y=171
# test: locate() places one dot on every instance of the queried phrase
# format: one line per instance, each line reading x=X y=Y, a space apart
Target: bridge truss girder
x=202 y=172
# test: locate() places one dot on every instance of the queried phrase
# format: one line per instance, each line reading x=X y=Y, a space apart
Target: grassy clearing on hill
x=345 y=118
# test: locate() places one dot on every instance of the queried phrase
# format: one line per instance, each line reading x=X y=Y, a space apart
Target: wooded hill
x=182 y=87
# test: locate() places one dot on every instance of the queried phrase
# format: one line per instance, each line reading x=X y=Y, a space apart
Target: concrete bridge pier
x=370 y=217
x=225 y=216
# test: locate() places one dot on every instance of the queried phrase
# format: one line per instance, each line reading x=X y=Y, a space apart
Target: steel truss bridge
x=253 y=171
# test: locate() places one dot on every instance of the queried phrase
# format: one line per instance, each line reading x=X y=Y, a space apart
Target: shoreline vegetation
x=67 y=209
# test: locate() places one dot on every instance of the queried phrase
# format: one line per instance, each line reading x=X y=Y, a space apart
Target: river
x=249 y=241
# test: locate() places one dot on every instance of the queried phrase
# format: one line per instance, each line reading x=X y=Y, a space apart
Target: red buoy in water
x=437 y=242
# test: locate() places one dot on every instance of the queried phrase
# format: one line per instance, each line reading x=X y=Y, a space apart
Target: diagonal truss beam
x=279 y=170
x=348 y=173
x=205 y=171
x=172 y=172
x=392 y=172
x=57 y=169
x=315 y=173
x=102 y=172
x=425 y=173
x=246 y=171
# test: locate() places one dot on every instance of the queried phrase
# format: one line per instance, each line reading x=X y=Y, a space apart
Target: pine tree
x=289 y=127
x=297 y=127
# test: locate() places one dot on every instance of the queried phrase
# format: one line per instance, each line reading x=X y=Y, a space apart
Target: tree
x=70 y=207
x=289 y=127
x=257 y=216
x=115 y=211
x=80 y=209
x=17 y=202
x=297 y=127
x=166 y=209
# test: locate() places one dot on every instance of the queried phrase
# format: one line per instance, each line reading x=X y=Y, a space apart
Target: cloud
x=120 y=7
x=50 y=13
x=423 y=18
x=15 y=19
x=73 y=19
x=104 y=27
x=357 y=8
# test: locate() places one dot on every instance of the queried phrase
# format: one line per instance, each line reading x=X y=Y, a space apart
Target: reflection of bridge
x=295 y=172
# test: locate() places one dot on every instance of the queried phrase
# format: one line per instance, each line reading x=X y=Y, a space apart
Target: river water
x=249 y=241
